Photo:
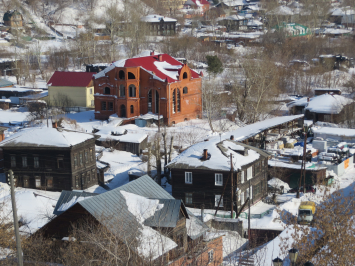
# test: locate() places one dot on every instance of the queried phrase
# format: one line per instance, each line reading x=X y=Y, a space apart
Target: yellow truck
x=306 y=212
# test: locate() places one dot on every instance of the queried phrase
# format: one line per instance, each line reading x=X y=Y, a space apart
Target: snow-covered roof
x=219 y=154
x=235 y=2
x=281 y=11
x=129 y=137
x=328 y=131
x=327 y=104
x=36 y=96
x=157 y=18
x=299 y=102
x=232 y=17
x=165 y=69
x=338 y=12
x=149 y=116
x=5 y=101
x=45 y=137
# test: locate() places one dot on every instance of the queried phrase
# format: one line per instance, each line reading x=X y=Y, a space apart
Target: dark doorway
x=123 y=110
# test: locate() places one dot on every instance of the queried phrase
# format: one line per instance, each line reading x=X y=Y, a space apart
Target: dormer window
x=184 y=76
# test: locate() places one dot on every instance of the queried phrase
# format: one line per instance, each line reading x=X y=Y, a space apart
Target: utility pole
x=14 y=212
x=232 y=187
x=303 y=165
x=249 y=237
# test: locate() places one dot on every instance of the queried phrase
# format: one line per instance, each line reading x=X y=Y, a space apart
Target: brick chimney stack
x=54 y=125
x=160 y=58
x=152 y=52
x=205 y=154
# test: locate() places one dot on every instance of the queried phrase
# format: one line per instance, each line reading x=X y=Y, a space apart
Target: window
x=184 y=90
x=262 y=163
x=86 y=156
x=174 y=102
x=103 y=105
x=242 y=198
x=38 y=181
x=92 y=154
x=81 y=158
x=88 y=176
x=188 y=178
x=150 y=100
x=210 y=256
x=92 y=103
x=247 y=193
x=249 y=172
x=60 y=163
x=13 y=161
x=327 y=118
x=122 y=91
x=110 y=106
x=49 y=182
x=26 y=181
x=257 y=168
x=257 y=189
x=24 y=161
x=121 y=74
x=178 y=100
x=217 y=199
x=131 y=76
x=132 y=109
x=132 y=90
x=75 y=161
x=107 y=90
x=184 y=76
x=35 y=162
x=218 y=179
x=188 y=198
x=90 y=91
x=242 y=177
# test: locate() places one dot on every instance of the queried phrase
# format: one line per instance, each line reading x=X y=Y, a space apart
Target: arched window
x=156 y=102
x=184 y=90
x=121 y=74
x=131 y=75
x=178 y=100
x=122 y=91
x=184 y=76
x=132 y=109
x=132 y=90
x=150 y=101
x=123 y=110
x=174 y=102
x=107 y=90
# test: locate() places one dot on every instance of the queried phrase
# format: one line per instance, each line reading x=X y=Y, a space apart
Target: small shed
x=148 y=119
x=5 y=104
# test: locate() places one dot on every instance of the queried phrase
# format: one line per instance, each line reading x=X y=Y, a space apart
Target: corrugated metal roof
x=168 y=216
x=5 y=83
x=67 y=196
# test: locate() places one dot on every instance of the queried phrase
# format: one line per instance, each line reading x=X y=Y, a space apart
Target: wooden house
x=160 y=25
x=234 y=22
x=13 y=19
x=157 y=83
x=50 y=158
x=200 y=174
x=171 y=226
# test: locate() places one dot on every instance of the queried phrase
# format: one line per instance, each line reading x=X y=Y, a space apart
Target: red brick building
x=157 y=83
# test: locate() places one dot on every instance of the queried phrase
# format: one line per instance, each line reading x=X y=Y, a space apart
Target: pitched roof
x=5 y=83
x=71 y=79
x=45 y=137
x=167 y=69
x=69 y=198
x=327 y=104
x=157 y=18
x=201 y=2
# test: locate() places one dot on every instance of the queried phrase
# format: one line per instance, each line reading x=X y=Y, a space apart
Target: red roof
x=202 y=2
x=71 y=79
x=147 y=63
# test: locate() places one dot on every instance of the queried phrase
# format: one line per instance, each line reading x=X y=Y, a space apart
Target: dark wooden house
x=170 y=220
x=159 y=25
x=13 y=18
x=202 y=172
x=234 y=22
x=51 y=159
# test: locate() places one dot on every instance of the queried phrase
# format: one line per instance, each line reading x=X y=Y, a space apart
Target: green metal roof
x=5 y=83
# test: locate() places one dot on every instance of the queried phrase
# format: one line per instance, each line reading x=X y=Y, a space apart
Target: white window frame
x=216 y=200
x=250 y=173
x=242 y=198
x=38 y=181
x=327 y=118
x=188 y=177
x=242 y=177
x=210 y=256
x=218 y=179
x=251 y=192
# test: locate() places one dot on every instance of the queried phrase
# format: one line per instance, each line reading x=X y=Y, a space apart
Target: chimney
x=54 y=125
x=160 y=58
x=205 y=154
x=246 y=151
x=307 y=99
x=2 y=136
x=201 y=74
x=152 y=52
x=232 y=137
